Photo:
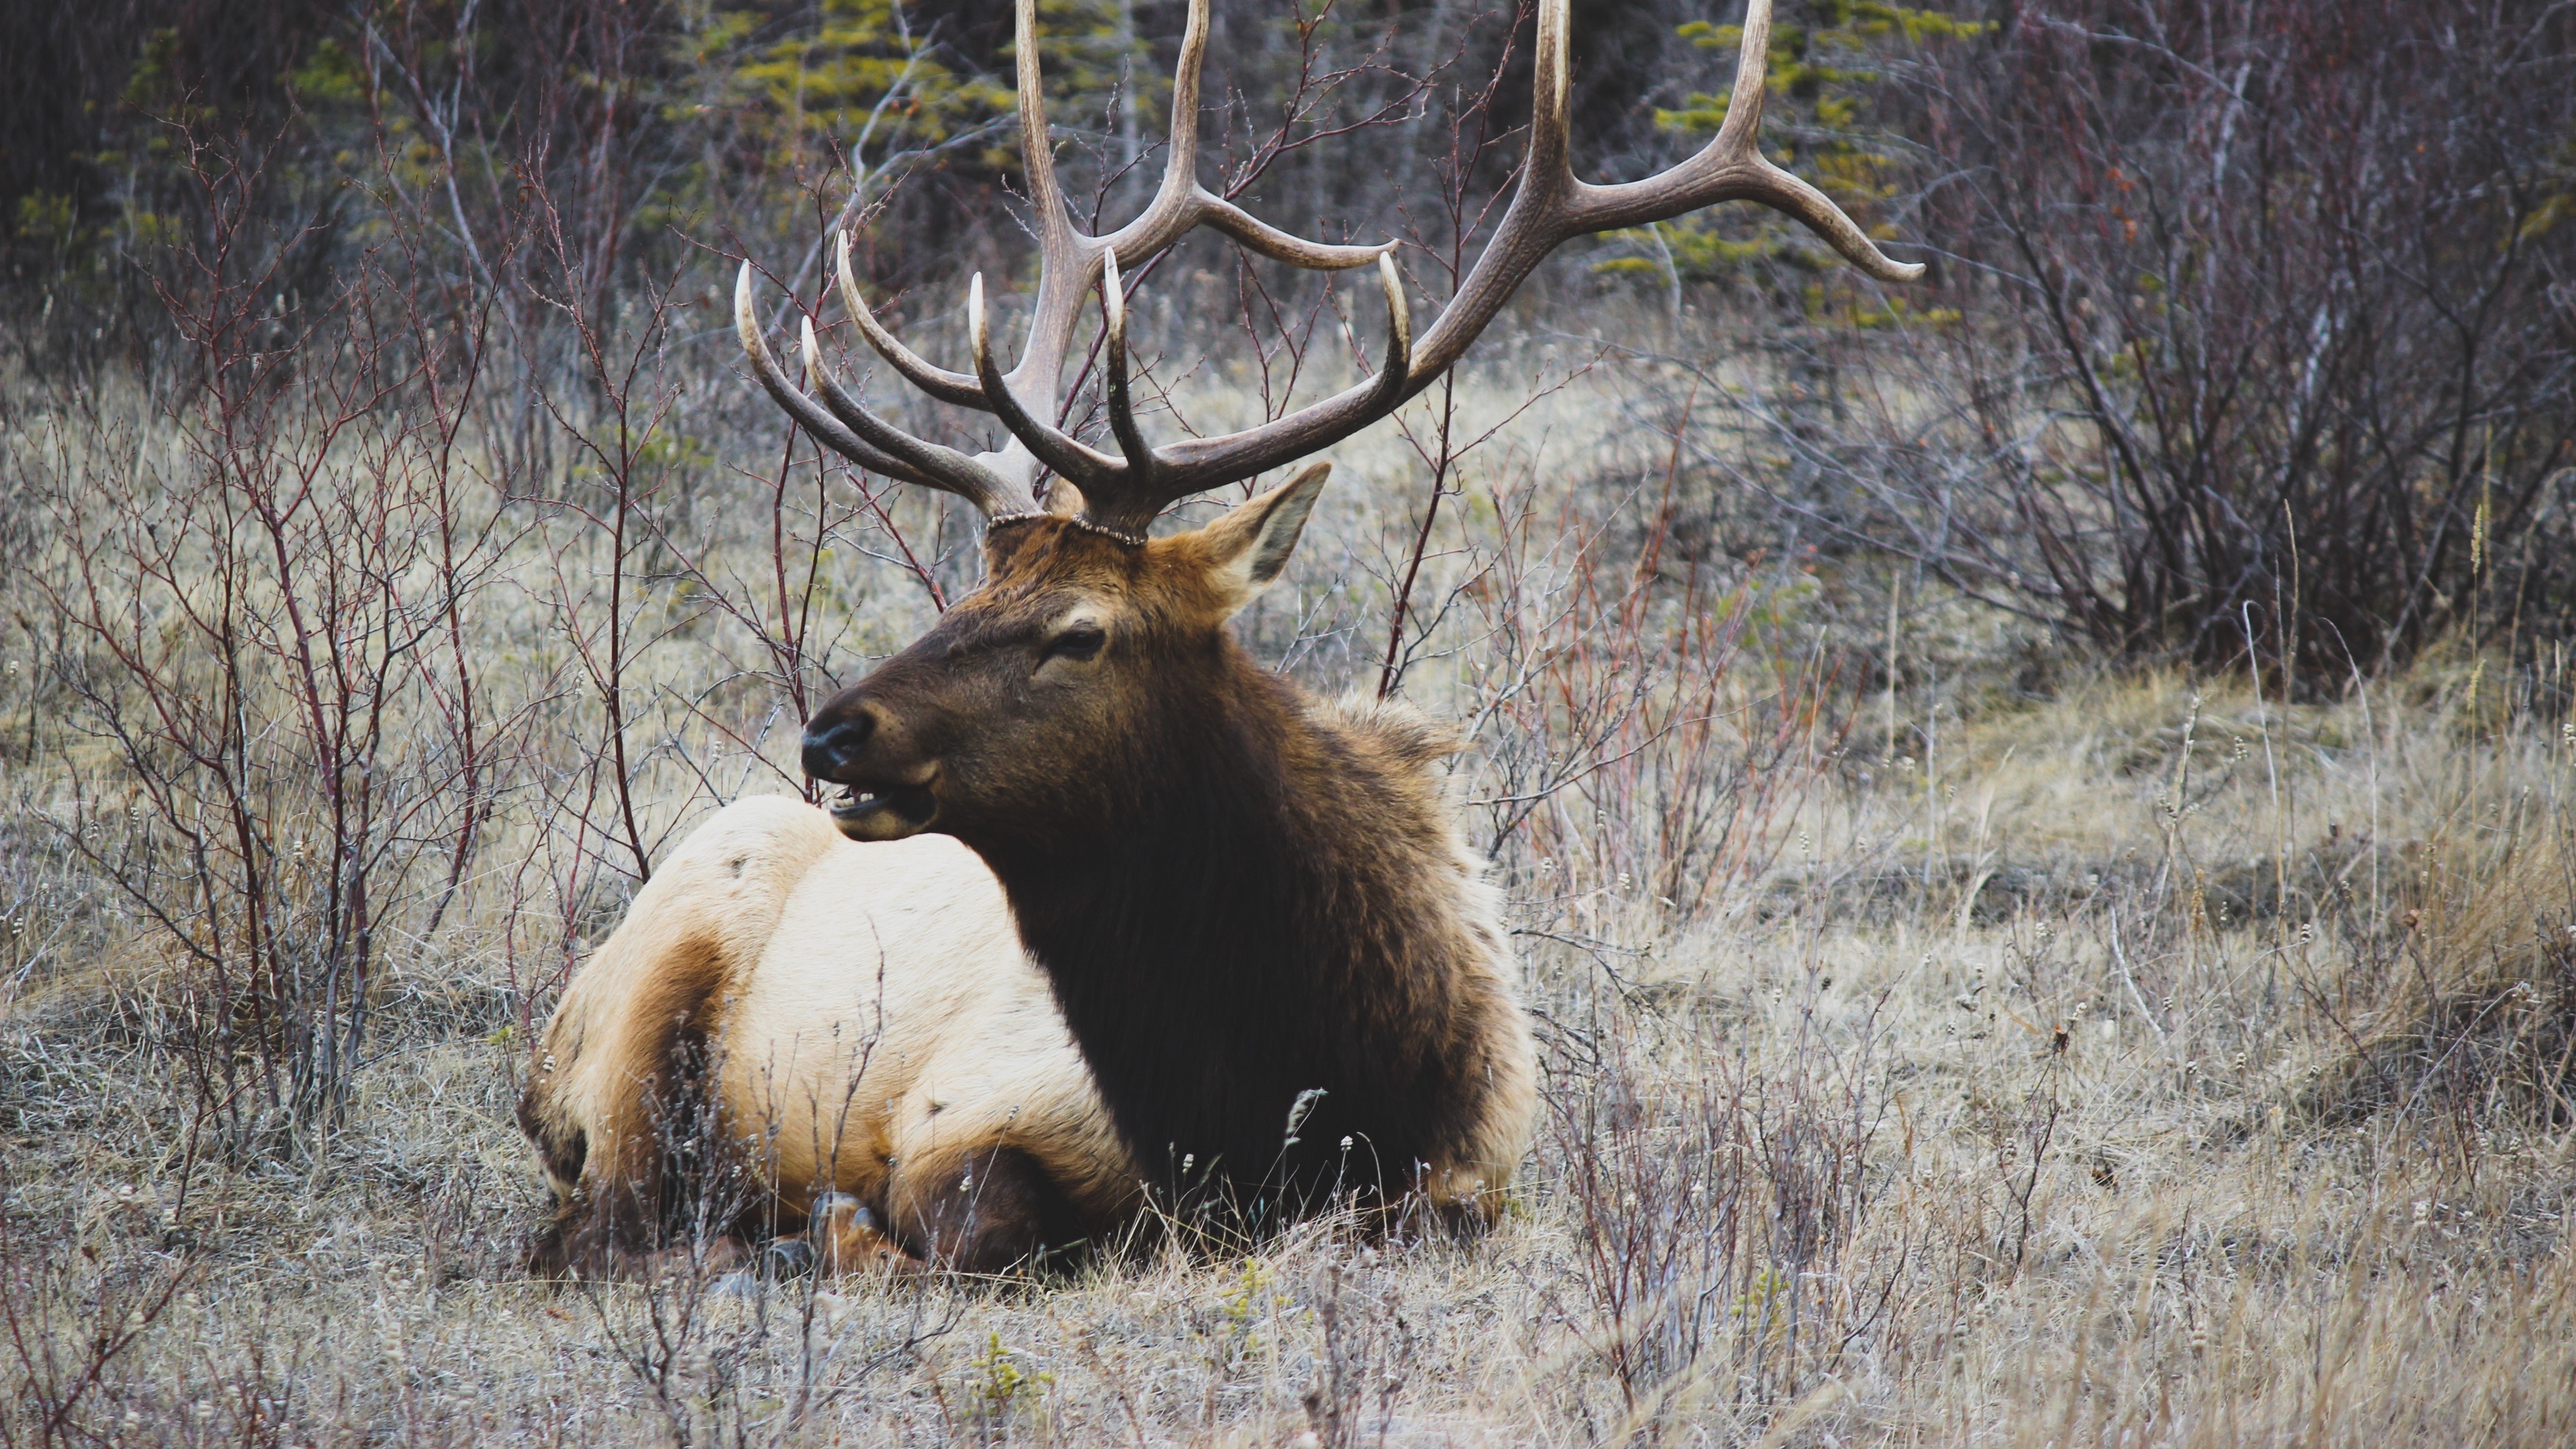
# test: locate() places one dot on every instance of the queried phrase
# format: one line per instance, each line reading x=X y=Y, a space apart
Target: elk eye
x=1080 y=642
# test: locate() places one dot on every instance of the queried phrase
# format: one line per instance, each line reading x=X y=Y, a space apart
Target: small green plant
x=1768 y=1290
x=999 y=1391
x=1242 y=1304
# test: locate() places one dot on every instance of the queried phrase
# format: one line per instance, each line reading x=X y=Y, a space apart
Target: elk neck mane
x=1276 y=900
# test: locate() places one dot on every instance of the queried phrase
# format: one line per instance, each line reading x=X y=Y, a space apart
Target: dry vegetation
x=1934 y=1054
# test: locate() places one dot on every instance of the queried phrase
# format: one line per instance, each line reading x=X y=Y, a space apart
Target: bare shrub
x=1624 y=746
x=1714 y=1201
x=68 y=1315
x=2268 y=315
x=1366 y=1349
x=263 y=585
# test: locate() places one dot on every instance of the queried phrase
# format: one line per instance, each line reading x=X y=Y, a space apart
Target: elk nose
x=833 y=746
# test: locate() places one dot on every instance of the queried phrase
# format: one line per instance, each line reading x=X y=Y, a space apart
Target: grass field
x=1946 y=1040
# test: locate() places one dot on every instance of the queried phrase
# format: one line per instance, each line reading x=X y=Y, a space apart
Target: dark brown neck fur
x=1279 y=910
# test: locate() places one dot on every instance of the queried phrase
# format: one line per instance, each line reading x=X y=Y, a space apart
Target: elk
x=1253 y=909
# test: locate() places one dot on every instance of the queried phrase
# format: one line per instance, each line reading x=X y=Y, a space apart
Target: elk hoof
x=787 y=1258
x=851 y=1239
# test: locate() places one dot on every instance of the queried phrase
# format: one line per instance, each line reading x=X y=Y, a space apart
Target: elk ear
x=1247 y=548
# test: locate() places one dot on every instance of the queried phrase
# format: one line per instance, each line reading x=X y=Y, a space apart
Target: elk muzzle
x=855 y=743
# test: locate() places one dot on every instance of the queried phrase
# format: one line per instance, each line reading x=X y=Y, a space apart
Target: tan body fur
x=870 y=1016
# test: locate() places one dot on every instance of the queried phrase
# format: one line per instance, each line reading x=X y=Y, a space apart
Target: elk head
x=1085 y=627
x=1081 y=649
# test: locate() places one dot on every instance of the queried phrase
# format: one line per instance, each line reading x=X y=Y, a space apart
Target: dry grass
x=2142 y=1062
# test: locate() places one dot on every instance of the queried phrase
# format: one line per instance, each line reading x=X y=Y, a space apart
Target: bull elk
x=1251 y=911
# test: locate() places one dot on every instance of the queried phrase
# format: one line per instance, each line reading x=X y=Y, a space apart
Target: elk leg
x=840 y=1236
x=983 y=1214
x=719 y=1254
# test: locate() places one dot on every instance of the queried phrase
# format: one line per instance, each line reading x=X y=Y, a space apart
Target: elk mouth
x=884 y=812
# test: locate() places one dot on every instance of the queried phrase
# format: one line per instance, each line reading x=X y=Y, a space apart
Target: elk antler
x=1123 y=493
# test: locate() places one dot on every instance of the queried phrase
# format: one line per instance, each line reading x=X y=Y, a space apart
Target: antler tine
x=1181 y=203
x=1122 y=412
x=1731 y=167
x=1067 y=259
x=1037 y=152
x=1735 y=134
x=949 y=387
x=821 y=424
x=1154 y=477
x=1175 y=196
x=1087 y=467
x=1252 y=232
x=1396 y=372
x=940 y=467
x=1549 y=207
x=862 y=436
